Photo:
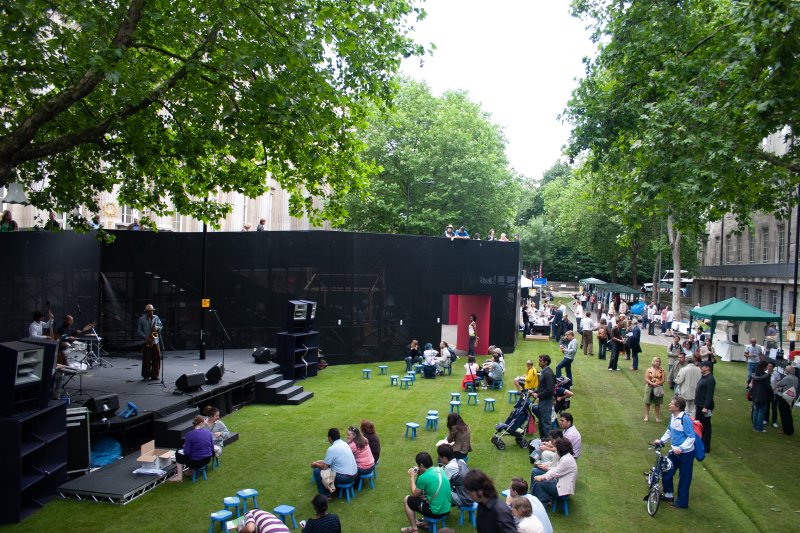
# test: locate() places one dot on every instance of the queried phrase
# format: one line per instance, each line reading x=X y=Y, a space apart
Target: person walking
x=681 y=433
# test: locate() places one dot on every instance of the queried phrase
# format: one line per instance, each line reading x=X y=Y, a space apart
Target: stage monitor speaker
x=215 y=373
x=106 y=405
x=311 y=313
x=296 y=315
x=263 y=355
x=190 y=382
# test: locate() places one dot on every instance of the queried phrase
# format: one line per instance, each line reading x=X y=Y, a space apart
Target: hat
x=149 y=307
x=449 y=225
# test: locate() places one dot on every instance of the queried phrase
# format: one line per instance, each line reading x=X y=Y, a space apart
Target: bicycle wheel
x=653 y=499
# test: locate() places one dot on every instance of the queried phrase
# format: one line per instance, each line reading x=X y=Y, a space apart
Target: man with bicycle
x=681 y=433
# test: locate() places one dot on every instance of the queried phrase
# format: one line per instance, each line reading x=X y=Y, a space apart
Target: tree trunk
x=675 y=244
x=635 y=245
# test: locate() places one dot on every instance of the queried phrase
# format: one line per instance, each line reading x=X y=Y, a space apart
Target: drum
x=76 y=353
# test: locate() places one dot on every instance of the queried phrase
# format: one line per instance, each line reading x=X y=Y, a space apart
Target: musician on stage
x=149 y=330
x=68 y=333
x=38 y=324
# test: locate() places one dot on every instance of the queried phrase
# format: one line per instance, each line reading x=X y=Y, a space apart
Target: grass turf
x=746 y=484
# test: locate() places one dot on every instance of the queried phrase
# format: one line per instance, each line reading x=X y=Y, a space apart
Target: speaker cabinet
x=190 y=382
x=105 y=406
x=214 y=374
x=78 y=443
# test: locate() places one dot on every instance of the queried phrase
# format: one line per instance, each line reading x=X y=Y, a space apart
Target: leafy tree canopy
x=173 y=99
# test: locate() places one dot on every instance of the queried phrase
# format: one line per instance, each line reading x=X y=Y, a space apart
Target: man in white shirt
x=670 y=317
x=519 y=487
x=587 y=337
x=754 y=352
x=578 y=315
x=35 y=330
x=567 y=425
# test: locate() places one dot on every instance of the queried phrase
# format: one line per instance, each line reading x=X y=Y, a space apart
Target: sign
x=205 y=303
x=540 y=281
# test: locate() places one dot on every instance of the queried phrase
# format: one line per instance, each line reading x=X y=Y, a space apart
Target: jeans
x=340 y=480
x=602 y=346
x=635 y=356
x=683 y=462
x=545 y=491
x=759 y=412
x=471 y=349
x=787 y=423
x=566 y=364
x=612 y=364
x=545 y=413
x=751 y=369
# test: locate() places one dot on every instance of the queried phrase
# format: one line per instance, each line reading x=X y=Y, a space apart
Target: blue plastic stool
x=404 y=382
x=433 y=522
x=346 y=490
x=505 y=493
x=375 y=468
x=418 y=369
x=201 y=471
x=365 y=373
x=383 y=369
x=469 y=386
x=215 y=462
x=488 y=404
x=393 y=380
x=370 y=476
x=412 y=376
x=561 y=499
x=433 y=412
x=219 y=517
x=472 y=396
x=455 y=405
x=282 y=511
x=455 y=395
x=498 y=384
x=245 y=494
x=449 y=370
x=432 y=422
x=471 y=511
x=233 y=502
x=513 y=396
x=413 y=427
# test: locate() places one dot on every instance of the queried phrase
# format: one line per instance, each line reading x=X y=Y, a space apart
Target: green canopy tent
x=735 y=309
x=592 y=281
x=622 y=289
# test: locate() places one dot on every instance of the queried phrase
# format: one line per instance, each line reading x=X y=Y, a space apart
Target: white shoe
x=775 y=425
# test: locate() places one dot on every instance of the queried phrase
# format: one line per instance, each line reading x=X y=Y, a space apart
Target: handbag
x=658 y=391
x=789 y=395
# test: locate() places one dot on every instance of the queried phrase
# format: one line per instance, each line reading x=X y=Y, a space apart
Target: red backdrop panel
x=479 y=305
x=452 y=316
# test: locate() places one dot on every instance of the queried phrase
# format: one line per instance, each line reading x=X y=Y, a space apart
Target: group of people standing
x=461 y=233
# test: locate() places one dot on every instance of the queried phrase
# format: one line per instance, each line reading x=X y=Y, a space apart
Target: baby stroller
x=515 y=424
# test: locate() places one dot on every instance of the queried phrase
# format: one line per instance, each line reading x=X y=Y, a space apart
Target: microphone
x=212 y=310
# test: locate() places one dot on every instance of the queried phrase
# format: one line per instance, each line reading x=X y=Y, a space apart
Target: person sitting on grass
x=340 y=460
x=493 y=515
x=198 y=447
x=519 y=488
x=430 y=492
x=323 y=522
x=523 y=515
x=558 y=481
x=258 y=521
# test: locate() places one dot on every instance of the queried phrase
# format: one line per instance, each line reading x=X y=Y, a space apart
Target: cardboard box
x=151 y=457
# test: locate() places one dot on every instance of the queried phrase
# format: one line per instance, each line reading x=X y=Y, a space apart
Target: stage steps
x=170 y=430
x=276 y=390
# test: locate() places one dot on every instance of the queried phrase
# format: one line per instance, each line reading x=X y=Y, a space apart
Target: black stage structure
x=375 y=292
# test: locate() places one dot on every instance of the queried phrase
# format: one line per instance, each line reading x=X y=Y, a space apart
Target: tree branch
x=706 y=39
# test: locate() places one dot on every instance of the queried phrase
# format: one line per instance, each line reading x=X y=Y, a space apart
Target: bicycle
x=654 y=492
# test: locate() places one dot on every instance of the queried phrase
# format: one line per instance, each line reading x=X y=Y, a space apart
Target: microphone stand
x=224 y=337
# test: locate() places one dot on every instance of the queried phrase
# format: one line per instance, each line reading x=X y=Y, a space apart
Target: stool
x=488 y=404
x=505 y=493
x=561 y=499
x=418 y=369
x=370 y=476
x=413 y=427
x=432 y=422
x=214 y=462
x=233 y=502
x=346 y=489
x=201 y=471
x=282 y=511
x=469 y=386
x=412 y=376
x=472 y=396
x=393 y=380
x=433 y=412
x=449 y=370
x=404 y=382
x=455 y=395
x=375 y=468
x=365 y=373
x=513 y=396
x=219 y=517
x=433 y=522
x=244 y=494
x=471 y=511
x=455 y=405
x=498 y=384
x=383 y=369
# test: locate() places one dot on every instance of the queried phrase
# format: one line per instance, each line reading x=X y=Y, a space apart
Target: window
x=751 y=245
x=728 y=254
x=176 y=221
x=773 y=302
x=699 y=294
x=733 y=292
x=781 y=251
x=715 y=251
x=758 y=294
x=722 y=293
x=127 y=214
x=739 y=249
x=764 y=245
x=746 y=295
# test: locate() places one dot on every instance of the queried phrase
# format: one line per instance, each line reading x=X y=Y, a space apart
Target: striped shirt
x=265 y=522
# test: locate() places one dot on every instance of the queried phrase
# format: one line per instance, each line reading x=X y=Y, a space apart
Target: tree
x=442 y=161
x=169 y=100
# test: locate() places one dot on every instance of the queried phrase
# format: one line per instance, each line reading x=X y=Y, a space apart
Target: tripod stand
x=225 y=336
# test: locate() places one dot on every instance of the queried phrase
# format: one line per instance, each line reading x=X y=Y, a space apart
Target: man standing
x=704 y=401
x=449 y=233
x=567 y=425
x=430 y=492
x=340 y=460
x=544 y=393
x=569 y=355
x=674 y=351
x=149 y=330
x=262 y=225
x=681 y=433
x=753 y=352
x=686 y=382
x=587 y=328
x=578 y=315
x=556 y=324
x=634 y=344
x=670 y=318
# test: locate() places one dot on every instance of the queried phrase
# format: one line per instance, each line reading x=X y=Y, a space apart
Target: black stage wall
x=365 y=284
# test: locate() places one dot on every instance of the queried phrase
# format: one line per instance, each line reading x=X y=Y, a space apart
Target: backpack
x=453 y=356
x=699 y=446
x=459 y=493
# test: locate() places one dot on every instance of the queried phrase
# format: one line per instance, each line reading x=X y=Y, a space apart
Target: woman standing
x=458 y=436
x=788 y=382
x=603 y=335
x=361 y=451
x=473 y=334
x=217 y=428
x=761 y=393
x=653 y=381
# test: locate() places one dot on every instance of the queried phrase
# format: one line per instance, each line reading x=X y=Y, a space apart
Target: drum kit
x=84 y=353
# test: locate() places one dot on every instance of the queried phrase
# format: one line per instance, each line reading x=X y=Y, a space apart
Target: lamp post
x=794 y=284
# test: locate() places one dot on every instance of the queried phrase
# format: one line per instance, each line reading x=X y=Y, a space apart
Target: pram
x=516 y=422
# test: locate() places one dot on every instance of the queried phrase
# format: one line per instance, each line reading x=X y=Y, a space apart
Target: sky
x=519 y=59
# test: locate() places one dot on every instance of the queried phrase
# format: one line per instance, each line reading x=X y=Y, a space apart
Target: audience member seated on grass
x=361 y=451
x=217 y=428
x=339 y=460
x=529 y=380
x=571 y=433
x=323 y=522
x=519 y=487
x=258 y=521
x=368 y=430
x=454 y=470
x=523 y=515
x=560 y=480
x=470 y=372
x=412 y=355
x=493 y=515
x=198 y=447
x=458 y=436
x=430 y=492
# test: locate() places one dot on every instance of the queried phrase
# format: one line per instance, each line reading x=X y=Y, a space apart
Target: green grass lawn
x=748 y=483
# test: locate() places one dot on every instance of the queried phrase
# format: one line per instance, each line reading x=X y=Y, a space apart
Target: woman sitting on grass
x=360 y=446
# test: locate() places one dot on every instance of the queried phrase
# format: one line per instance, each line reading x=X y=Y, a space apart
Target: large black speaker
x=263 y=355
x=190 y=382
x=106 y=405
x=78 y=444
x=215 y=373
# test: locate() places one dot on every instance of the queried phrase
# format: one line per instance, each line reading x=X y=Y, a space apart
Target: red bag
x=531 y=425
